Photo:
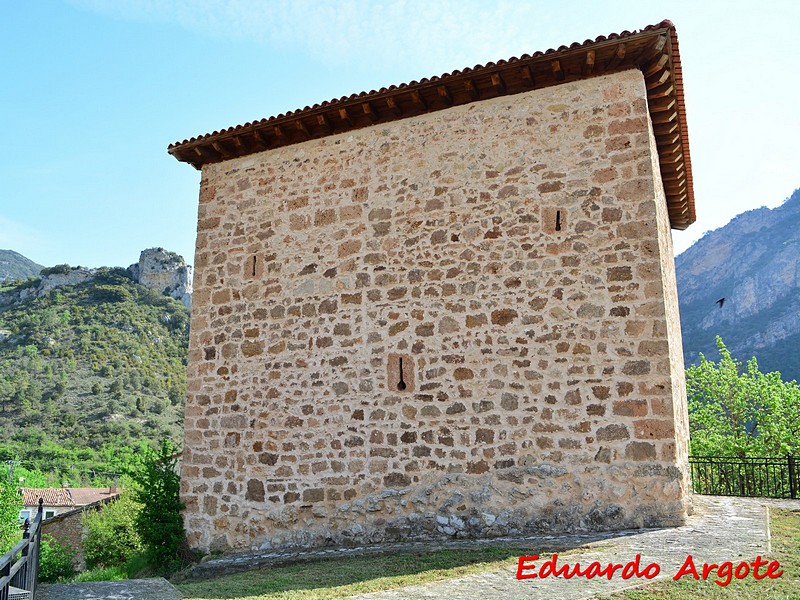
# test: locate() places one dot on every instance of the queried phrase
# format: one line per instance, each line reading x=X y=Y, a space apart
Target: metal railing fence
x=767 y=477
x=19 y=567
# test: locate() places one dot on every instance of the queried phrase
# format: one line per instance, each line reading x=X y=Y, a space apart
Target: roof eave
x=653 y=50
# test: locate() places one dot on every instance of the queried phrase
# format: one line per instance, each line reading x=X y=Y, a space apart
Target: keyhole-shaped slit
x=558 y=220
x=401 y=385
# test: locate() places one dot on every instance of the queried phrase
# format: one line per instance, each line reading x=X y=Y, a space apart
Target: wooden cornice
x=653 y=50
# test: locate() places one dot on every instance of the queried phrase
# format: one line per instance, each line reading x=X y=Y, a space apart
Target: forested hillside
x=88 y=371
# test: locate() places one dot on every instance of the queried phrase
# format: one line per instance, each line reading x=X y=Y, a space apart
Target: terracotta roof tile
x=84 y=496
x=65 y=496
x=51 y=496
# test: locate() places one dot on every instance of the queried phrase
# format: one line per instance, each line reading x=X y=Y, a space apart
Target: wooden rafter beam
x=394 y=107
x=222 y=149
x=619 y=55
x=674 y=177
x=444 y=94
x=664 y=117
x=469 y=87
x=664 y=129
x=324 y=123
x=301 y=127
x=588 y=64
x=280 y=134
x=419 y=101
x=558 y=72
x=260 y=139
x=498 y=83
x=527 y=76
x=368 y=110
x=661 y=104
x=675 y=189
x=670 y=157
x=652 y=51
x=670 y=138
x=661 y=91
x=345 y=116
x=656 y=65
x=658 y=79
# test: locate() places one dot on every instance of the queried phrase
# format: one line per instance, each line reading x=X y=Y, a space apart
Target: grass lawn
x=340 y=578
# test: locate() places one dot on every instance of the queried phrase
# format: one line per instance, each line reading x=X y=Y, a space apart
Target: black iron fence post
x=5 y=571
x=792 y=477
x=22 y=574
x=33 y=573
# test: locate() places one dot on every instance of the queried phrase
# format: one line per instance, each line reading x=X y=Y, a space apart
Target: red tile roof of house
x=653 y=50
x=51 y=497
x=66 y=496
x=83 y=496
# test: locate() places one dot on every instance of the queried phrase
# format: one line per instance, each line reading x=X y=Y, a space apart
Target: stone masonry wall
x=515 y=254
x=68 y=530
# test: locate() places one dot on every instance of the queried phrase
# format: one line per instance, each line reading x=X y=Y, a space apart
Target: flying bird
x=721 y=301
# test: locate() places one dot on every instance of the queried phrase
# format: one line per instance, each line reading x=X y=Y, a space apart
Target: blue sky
x=93 y=92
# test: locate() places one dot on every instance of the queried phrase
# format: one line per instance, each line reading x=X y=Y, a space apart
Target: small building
x=445 y=308
x=61 y=500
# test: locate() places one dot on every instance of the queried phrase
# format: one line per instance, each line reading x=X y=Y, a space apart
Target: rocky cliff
x=166 y=272
x=157 y=269
x=753 y=262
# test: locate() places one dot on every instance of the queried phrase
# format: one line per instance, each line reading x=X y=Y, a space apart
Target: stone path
x=130 y=589
x=722 y=528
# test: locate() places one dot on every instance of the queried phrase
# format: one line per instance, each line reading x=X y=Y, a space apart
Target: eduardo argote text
x=722 y=573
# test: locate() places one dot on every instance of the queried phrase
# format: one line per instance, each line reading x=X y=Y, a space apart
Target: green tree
x=740 y=411
x=10 y=505
x=55 y=560
x=160 y=523
x=111 y=533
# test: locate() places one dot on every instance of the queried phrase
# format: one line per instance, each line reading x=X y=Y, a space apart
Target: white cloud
x=443 y=32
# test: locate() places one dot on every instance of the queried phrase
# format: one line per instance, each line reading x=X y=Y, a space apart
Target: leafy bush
x=10 y=505
x=111 y=533
x=61 y=269
x=102 y=574
x=160 y=523
x=110 y=293
x=55 y=560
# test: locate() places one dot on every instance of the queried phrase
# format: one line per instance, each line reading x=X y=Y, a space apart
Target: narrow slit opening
x=558 y=220
x=254 y=265
x=401 y=385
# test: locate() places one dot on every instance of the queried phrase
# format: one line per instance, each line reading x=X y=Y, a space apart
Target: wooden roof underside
x=653 y=50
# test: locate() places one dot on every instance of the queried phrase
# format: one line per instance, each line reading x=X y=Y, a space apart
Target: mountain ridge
x=754 y=263
x=15 y=267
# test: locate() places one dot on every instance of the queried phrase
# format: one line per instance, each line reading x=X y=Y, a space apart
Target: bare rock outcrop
x=165 y=271
x=753 y=262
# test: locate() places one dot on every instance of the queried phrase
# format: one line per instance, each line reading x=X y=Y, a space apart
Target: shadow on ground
x=317 y=574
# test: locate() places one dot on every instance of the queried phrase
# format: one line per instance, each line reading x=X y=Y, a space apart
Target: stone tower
x=444 y=309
